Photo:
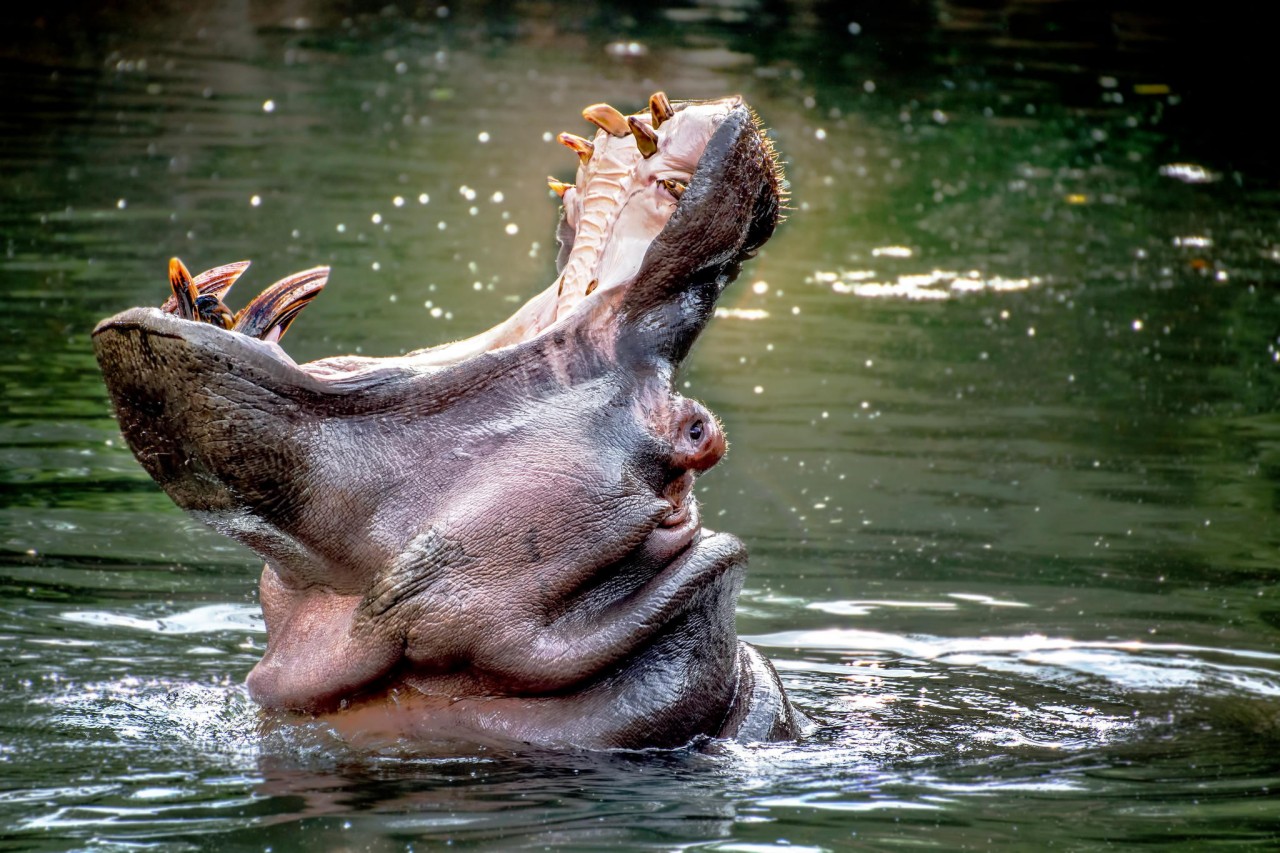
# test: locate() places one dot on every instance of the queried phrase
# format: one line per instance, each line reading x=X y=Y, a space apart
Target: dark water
x=1002 y=395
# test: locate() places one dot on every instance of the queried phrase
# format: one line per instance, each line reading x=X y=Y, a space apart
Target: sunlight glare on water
x=1001 y=396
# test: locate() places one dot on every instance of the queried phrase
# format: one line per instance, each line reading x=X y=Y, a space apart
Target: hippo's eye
x=695 y=431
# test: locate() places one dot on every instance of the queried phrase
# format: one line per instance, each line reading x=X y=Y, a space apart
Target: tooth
x=582 y=147
x=607 y=119
x=179 y=276
x=660 y=109
x=560 y=187
x=674 y=187
x=646 y=139
x=184 y=289
x=591 y=288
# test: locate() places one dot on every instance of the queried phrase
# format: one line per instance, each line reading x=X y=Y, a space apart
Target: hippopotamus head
x=495 y=538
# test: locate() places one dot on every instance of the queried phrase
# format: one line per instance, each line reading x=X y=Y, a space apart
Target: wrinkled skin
x=494 y=540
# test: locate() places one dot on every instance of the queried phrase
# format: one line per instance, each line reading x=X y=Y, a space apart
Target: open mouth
x=630 y=180
x=632 y=177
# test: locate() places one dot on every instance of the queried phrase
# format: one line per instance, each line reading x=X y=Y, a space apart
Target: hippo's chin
x=695 y=681
x=495 y=539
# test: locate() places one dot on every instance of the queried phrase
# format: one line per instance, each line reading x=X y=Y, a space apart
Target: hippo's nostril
x=698 y=440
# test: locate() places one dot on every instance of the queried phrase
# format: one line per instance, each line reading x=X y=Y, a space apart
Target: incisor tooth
x=179 y=277
x=646 y=139
x=582 y=147
x=660 y=108
x=607 y=119
x=674 y=187
x=184 y=289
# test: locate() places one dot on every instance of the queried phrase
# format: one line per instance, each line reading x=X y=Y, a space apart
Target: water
x=1001 y=395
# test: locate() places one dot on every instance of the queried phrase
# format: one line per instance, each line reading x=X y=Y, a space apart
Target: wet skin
x=494 y=540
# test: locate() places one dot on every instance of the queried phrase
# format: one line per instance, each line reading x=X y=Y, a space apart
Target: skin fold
x=495 y=540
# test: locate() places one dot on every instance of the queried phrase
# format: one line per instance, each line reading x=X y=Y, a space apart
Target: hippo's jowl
x=495 y=539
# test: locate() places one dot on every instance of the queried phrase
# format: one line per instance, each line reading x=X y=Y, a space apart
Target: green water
x=1001 y=393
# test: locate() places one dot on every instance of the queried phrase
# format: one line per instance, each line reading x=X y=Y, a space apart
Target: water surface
x=1001 y=394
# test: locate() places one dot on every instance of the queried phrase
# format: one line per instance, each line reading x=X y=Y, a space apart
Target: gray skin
x=498 y=549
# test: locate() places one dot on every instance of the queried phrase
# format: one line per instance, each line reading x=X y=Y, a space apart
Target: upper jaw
x=630 y=249
x=633 y=247
x=622 y=199
x=617 y=222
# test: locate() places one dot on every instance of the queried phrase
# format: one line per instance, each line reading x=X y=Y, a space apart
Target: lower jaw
x=460 y=712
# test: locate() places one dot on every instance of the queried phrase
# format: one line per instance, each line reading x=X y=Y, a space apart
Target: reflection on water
x=1001 y=396
x=935 y=284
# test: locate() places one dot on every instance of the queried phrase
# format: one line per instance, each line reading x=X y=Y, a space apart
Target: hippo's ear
x=728 y=210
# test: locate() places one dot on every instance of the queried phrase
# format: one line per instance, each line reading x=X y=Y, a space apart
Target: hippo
x=493 y=541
